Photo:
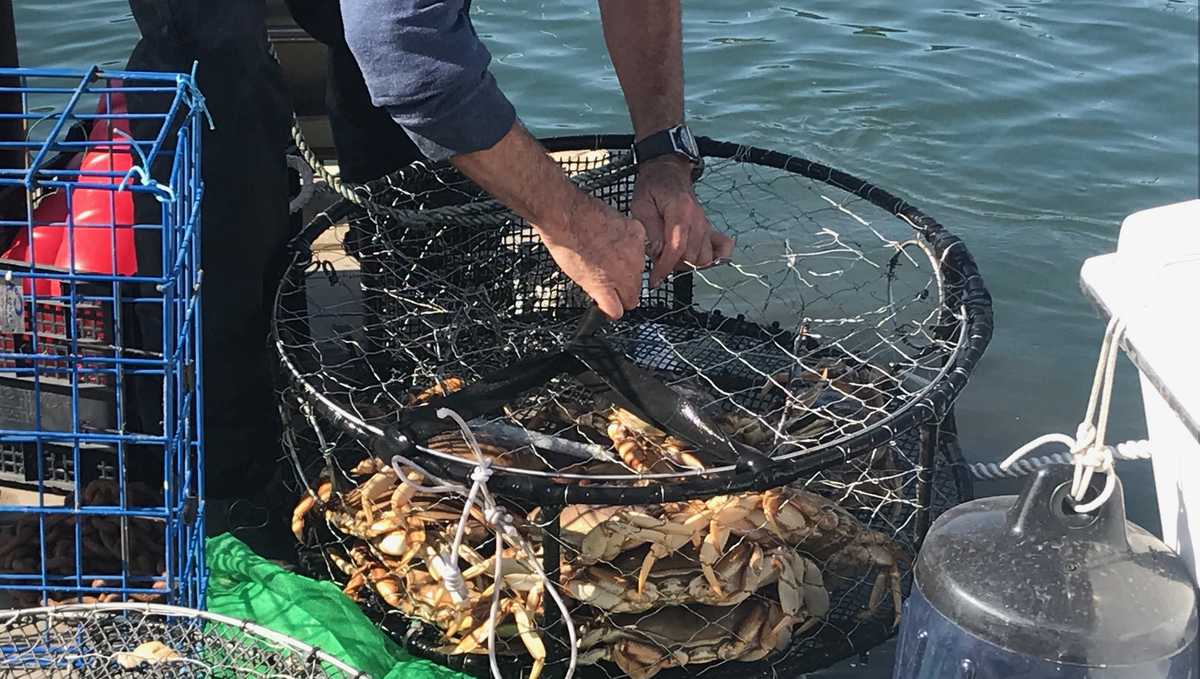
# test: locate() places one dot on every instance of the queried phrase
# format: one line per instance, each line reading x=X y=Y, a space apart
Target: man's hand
x=603 y=252
x=679 y=233
x=645 y=41
x=594 y=245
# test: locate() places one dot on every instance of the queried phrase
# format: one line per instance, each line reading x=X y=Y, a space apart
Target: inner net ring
x=455 y=288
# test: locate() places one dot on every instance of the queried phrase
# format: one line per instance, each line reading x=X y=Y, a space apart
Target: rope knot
x=447 y=569
x=482 y=471
x=1085 y=436
x=1099 y=458
x=498 y=517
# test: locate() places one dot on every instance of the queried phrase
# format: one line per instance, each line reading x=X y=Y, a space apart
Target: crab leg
x=324 y=491
x=387 y=586
x=678 y=451
x=476 y=638
x=354 y=585
x=404 y=492
x=374 y=489
x=710 y=553
x=897 y=596
x=644 y=571
x=528 y=633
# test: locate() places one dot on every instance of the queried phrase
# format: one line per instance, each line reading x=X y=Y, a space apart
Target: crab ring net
x=834 y=344
x=152 y=640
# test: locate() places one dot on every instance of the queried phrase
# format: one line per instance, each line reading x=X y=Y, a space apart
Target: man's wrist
x=676 y=142
x=645 y=128
x=670 y=164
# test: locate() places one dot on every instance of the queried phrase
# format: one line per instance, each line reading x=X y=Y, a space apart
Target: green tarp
x=245 y=586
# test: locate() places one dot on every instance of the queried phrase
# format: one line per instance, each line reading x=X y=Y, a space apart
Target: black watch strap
x=677 y=141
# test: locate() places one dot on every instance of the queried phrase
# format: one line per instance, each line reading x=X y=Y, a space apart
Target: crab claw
x=641 y=660
x=306 y=504
x=816 y=597
x=791 y=587
x=476 y=638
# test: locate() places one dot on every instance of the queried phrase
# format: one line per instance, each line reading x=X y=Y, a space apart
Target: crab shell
x=678 y=580
x=602 y=533
x=643 y=645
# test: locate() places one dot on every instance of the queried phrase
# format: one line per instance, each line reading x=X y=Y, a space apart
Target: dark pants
x=369 y=143
x=244 y=213
x=245 y=225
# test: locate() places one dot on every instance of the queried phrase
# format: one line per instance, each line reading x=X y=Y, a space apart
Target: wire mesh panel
x=148 y=640
x=99 y=337
x=734 y=477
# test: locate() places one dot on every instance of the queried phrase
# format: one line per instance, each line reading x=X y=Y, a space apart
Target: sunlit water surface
x=1030 y=129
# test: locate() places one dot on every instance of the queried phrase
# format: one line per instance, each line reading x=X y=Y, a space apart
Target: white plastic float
x=1152 y=283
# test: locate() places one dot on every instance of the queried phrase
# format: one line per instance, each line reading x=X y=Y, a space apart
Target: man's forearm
x=518 y=173
x=597 y=247
x=645 y=41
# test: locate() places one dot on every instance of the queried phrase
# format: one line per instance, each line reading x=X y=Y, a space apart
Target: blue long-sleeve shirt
x=423 y=62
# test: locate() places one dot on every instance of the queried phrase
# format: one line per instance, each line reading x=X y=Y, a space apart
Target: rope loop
x=1087 y=450
x=445 y=564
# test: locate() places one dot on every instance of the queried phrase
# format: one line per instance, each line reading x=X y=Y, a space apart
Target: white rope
x=1087 y=450
x=505 y=530
x=991 y=471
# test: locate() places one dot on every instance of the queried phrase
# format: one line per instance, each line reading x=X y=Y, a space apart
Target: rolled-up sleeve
x=424 y=63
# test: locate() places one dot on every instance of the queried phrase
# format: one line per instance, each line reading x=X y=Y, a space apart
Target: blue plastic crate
x=100 y=388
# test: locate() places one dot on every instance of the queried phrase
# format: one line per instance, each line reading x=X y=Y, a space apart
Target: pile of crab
x=728 y=578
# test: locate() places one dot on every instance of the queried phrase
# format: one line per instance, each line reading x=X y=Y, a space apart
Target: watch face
x=686 y=142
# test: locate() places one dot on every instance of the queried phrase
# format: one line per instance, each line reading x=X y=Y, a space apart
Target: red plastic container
x=103 y=218
x=100 y=231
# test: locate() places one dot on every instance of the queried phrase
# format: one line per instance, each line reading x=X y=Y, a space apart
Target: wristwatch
x=676 y=140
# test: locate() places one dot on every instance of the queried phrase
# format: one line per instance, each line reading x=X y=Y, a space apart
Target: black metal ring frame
x=964 y=296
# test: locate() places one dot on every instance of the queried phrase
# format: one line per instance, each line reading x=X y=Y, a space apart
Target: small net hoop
x=123 y=639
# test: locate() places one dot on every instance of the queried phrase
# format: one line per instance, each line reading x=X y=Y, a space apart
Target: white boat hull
x=1152 y=282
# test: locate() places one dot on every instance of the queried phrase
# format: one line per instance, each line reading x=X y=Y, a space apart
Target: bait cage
x=100 y=441
x=805 y=388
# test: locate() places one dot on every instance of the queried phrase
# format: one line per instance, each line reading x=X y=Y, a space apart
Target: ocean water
x=1030 y=129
